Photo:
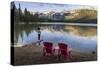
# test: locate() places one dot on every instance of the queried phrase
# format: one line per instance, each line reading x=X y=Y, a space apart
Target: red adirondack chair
x=47 y=49
x=63 y=50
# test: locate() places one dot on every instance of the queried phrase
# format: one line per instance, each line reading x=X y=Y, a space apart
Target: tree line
x=80 y=16
x=22 y=16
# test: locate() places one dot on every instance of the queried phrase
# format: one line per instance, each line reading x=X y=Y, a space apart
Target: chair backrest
x=48 y=47
x=63 y=48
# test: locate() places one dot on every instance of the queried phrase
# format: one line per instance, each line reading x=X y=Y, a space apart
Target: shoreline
x=32 y=54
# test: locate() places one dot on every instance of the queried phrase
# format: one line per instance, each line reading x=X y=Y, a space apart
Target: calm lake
x=80 y=35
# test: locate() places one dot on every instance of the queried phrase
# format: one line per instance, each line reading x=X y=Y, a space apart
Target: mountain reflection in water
x=80 y=36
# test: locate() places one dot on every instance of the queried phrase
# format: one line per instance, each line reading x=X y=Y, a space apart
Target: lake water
x=80 y=35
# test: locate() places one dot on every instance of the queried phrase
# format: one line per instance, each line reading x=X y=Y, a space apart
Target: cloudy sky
x=45 y=7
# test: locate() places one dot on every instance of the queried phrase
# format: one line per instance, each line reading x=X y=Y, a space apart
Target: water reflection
x=80 y=36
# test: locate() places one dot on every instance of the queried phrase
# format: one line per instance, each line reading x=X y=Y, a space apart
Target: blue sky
x=42 y=7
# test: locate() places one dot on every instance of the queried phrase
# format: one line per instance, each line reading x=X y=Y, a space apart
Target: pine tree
x=20 y=12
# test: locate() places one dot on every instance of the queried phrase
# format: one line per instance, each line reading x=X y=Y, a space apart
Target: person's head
x=38 y=28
